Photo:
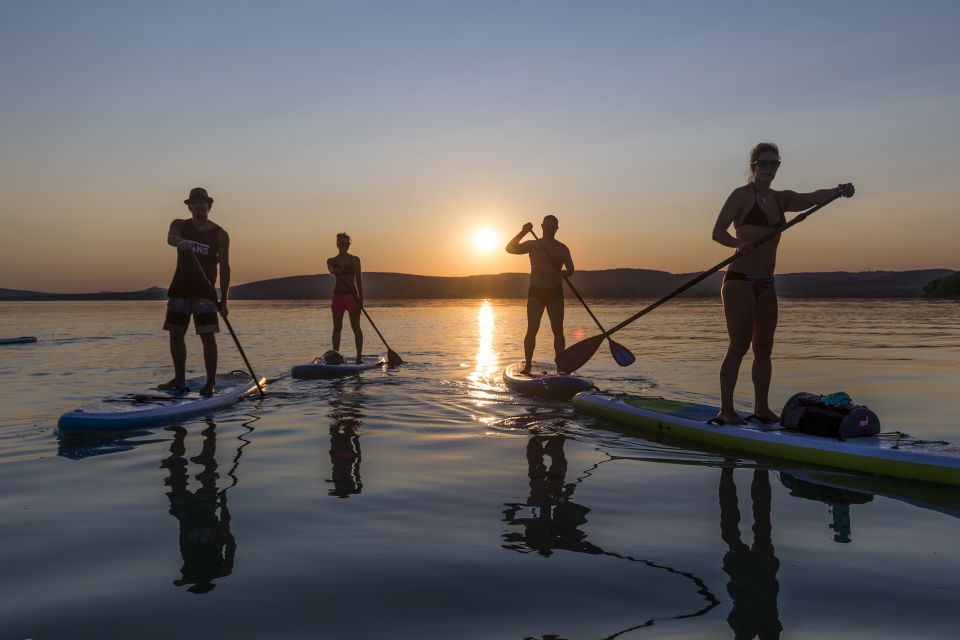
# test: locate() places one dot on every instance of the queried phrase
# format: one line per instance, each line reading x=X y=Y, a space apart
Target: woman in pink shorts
x=347 y=293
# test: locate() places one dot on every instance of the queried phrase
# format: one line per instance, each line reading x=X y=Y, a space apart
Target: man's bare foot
x=526 y=369
x=173 y=385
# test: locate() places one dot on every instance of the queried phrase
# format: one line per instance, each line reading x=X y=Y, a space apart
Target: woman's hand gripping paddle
x=580 y=353
x=620 y=353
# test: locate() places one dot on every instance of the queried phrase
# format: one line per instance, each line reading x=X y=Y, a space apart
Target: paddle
x=393 y=358
x=620 y=353
x=577 y=355
x=213 y=290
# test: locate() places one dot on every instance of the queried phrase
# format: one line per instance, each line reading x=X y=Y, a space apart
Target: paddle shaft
x=369 y=319
x=233 y=334
x=567 y=279
x=773 y=234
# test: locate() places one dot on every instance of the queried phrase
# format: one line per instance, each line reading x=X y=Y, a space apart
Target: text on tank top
x=187 y=281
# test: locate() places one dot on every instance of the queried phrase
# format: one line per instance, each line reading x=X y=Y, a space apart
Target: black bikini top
x=758 y=218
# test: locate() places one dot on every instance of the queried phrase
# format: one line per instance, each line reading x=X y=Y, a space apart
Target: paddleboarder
x=749 y=297
x=190 y=291
x=547 y=258
x=347 y=293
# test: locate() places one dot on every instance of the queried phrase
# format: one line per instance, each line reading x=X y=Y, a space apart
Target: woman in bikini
x=347 y=293
x=749 y=297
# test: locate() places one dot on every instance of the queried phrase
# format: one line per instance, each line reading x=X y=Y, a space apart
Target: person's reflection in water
x=557 y=520
x=206 y=544
x=753 y=570
x=345 y=456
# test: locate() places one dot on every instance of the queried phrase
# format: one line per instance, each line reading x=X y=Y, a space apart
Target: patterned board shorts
x=204 y=313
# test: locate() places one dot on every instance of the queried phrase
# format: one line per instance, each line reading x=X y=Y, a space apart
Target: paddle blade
x=621 y=354
x=572 y=358
x=393 y=358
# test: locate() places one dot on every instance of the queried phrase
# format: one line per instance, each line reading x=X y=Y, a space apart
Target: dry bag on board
x=831 y=416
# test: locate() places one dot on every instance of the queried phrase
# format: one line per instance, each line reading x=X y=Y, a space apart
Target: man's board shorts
x=546 y=295
x=344 y=302
x=204 y=313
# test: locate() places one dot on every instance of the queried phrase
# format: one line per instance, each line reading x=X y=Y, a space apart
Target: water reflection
x=486 y=371
x=555 y=520
x=347 y=417
x=77 y=446
x=207 y=546
x=838 y=499
x=753 y=585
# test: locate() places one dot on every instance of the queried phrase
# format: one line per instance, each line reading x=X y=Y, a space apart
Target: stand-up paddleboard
x=544 y=384
x=319 y=369
x=894 y=454
x=154 y=407
x=20 y=340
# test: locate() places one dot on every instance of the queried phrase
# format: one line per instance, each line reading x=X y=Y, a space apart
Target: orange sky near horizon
x=632 y=137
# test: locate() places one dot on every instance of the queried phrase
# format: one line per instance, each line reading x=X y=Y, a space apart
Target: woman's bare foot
x=727 y=417
x=767 y=414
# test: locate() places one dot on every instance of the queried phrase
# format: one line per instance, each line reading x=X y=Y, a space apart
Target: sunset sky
x=414 y=125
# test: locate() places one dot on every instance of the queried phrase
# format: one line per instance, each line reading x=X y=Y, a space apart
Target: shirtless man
x=190 y=292
x=546 y=283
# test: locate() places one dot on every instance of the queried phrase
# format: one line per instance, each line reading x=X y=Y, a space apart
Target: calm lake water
x=428 y=502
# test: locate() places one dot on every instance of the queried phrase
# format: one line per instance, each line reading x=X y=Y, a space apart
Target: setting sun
x=485 y=239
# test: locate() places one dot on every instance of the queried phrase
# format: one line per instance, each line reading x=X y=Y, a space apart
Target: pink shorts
x=344 y=302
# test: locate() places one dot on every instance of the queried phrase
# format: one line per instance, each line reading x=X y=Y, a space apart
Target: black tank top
x=757 y=217
x=187 y=281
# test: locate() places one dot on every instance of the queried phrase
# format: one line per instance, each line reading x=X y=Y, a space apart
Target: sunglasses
x=765 y=164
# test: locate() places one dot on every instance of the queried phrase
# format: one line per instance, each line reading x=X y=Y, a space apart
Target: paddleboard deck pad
x=20 y=340
x=891 y=454
x=319 y=369
x=543 y=384
x=155 y=407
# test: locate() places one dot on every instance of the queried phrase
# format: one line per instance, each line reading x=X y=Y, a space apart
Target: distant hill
x=153 y=293
x=610 y=283
x=946 y=287
x=614 y=283
x=862 y=284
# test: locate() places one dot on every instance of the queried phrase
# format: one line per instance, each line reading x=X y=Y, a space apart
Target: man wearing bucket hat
x=191 y=291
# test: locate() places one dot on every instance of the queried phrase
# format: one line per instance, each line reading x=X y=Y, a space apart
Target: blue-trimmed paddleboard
x=155 y=407
x=544 y=384
x=897 y=455
x=319 y=369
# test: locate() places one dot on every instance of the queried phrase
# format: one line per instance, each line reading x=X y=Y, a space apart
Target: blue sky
x=412 y=124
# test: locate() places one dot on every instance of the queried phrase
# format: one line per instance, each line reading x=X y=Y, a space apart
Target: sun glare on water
x=485 y=240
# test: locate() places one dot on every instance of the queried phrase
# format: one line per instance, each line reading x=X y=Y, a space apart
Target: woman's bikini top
x=758 y=218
